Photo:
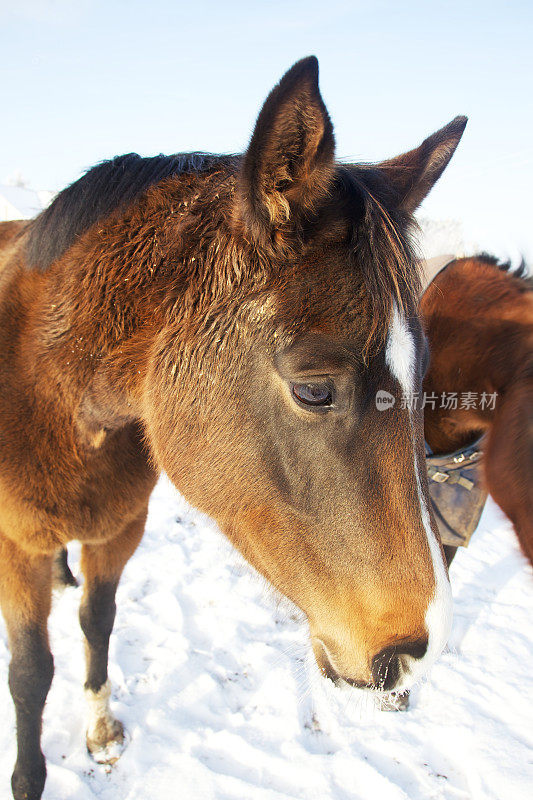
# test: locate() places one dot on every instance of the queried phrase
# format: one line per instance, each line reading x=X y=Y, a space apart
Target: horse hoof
x=107 y=742
x=29 y=785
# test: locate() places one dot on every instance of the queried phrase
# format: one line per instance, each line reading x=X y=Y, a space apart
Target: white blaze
x=400 y=357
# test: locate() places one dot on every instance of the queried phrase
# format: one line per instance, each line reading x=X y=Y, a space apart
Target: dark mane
x=382 y=250
x=104 y=188
x=382 y=245
x=522 y=271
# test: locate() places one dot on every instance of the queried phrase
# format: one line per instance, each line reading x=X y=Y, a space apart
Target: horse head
x=299 y=306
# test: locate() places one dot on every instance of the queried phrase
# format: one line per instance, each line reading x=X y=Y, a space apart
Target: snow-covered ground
x=210 y=679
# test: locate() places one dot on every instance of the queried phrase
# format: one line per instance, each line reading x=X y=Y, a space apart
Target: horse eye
x=312 y=394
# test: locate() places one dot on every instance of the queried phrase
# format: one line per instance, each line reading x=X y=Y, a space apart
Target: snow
x=19 y=202
x=219 y=700
x=441 y=236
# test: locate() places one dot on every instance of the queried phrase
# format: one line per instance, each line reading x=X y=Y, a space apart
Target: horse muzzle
x=390 y=669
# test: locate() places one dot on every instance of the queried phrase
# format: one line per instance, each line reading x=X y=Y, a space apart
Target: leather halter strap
x=456 y=492
x=446 y=468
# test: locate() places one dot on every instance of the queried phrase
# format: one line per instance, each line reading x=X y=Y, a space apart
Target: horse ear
x=288 y=166
x=414 y=174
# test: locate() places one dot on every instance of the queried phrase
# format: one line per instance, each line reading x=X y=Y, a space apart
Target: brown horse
x=479 y=321
x=228 y=320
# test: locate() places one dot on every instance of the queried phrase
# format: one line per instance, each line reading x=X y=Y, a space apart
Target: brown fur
x=166 y=333
x=479 y=321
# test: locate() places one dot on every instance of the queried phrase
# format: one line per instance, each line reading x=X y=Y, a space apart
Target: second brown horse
x=479 y=320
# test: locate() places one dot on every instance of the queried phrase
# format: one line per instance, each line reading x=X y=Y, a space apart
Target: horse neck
x=79 y=352
x=97 y=313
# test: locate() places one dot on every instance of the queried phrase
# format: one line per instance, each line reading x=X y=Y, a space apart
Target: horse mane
x=106 y=187
x=522 y=271
x=383 y=246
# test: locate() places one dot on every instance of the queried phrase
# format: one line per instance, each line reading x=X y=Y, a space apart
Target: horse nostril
x=386 y=664
x=386 y=668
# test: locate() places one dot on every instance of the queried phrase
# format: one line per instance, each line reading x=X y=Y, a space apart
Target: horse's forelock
x=382 y=251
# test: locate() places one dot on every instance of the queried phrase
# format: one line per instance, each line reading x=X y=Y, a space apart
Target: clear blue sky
x=82 y=80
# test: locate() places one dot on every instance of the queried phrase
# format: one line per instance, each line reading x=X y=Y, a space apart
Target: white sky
x=83 y=80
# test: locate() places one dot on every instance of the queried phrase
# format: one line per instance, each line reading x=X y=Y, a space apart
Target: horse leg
x=25 y=596
x=509 y=463
x=61 y=574
x=102 y=566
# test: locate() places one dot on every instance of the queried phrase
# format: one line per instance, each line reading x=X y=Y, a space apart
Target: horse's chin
x=394 y=701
